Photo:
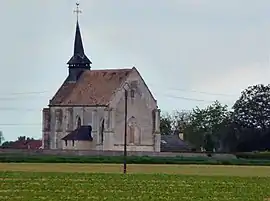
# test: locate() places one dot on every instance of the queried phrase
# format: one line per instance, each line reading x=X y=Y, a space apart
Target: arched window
x=131 y=134
x=101 y=131
x=134 y=132
x=69 y=119
x=132 y=93
x=79 y=122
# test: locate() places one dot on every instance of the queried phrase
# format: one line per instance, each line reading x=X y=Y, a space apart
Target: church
x=88 y=110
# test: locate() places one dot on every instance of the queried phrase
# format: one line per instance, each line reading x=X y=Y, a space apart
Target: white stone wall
x=45 y=128
x=141 y=107
x=134 y=148
x=70 y=116
x=78 y=145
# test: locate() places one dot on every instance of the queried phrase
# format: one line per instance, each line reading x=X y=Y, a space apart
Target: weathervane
x=77 y=11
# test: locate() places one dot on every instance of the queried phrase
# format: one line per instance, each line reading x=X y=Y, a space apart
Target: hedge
x=15 y=158
x=12 y=158
x=254 y=155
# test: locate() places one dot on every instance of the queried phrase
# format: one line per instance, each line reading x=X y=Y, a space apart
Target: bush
x=254 y=155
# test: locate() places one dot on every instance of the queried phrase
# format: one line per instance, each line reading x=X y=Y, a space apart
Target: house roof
x=34 y=144
x=25 y=144
x=172 y=143
x=82 y=133
x=94 y=87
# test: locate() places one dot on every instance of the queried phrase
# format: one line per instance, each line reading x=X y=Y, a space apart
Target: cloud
x=206 y=45
x=235 y=79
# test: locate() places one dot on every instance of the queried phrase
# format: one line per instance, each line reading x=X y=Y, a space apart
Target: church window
x=154 y=120
x=134 y=132
x=132 y=93
x=79 y=122
x=131 y=134
x=66 y=142
x=101 y=132
x=69 y=120
x=73 y=143
x=59 y=117
x=134 y=84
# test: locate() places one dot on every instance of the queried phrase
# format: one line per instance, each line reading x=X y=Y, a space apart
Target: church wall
x=141 y=107
x=65 y=119
x=46 y=128
x=78 y=145
x=149 y=148
x=93 y=116
x=57 y=125
x=87 y=116
x=52 y=136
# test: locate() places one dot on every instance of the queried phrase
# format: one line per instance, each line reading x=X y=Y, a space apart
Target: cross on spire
x=77 y=11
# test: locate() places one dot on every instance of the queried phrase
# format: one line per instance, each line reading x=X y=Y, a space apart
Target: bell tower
x=79 y=62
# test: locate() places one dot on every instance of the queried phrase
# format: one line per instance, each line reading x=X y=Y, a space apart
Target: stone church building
x=88 y=110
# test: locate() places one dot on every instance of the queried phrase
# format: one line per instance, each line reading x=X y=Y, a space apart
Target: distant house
x=34 y=144
x=23 y=144
x=173 y=143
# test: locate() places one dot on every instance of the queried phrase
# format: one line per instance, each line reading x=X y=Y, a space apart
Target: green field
x=28 y=182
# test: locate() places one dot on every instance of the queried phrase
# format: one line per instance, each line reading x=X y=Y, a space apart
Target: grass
x=34 y=182
x=205 y=170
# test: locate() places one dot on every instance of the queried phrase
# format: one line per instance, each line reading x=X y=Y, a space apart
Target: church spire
x=79 y=59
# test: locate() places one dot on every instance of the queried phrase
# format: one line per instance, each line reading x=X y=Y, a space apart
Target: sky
x=189 y=52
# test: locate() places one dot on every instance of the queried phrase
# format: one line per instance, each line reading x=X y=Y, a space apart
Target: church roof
x=94 y=88
x=82 y=133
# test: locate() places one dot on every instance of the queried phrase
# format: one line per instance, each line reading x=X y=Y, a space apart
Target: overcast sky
x=182 y=48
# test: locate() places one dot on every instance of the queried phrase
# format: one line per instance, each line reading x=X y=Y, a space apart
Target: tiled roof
x=83 y=133
x=26 y=144
x=172 y=143
x=94 y=87
x=35 y=144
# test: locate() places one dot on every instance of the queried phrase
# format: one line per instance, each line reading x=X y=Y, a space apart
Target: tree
x=24 y=138
x=180 y=120
x=208 y=125
x=209 y=144
x=165 y=124
x=1 y=137
x=252 y=109
x=7 y=144
x=173 y=123
x=251 y=117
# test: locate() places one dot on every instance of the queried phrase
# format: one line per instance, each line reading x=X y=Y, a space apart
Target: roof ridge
x=112 y=69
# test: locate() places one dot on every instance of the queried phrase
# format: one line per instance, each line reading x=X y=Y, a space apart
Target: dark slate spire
x=79 y=61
